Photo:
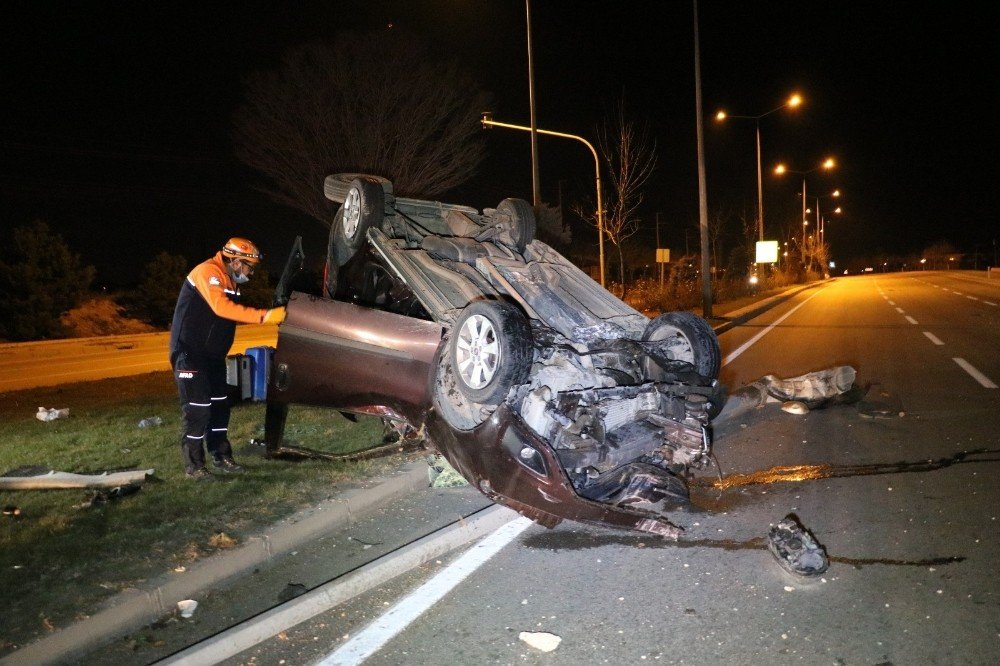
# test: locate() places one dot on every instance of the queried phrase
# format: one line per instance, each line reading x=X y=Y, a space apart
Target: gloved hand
x=274 y=316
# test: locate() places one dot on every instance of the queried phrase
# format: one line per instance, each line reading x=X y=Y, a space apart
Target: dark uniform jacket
x=207 y=312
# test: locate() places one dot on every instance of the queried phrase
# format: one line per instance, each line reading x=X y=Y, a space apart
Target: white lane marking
x=892 y=302
x=900 y=310
x=972 y=298
x=911 y=319
x=382 y=630
x=933 y=338
x=978 y=376
x=958 y=293
x=746 y=345
x=990 y=303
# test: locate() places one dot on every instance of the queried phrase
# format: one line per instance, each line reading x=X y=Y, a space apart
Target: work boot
x=227 y=465
x=200 y=474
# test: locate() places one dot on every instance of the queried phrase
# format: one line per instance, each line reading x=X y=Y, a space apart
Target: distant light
x=829 y=163
x=720 y=116
x=794 y=100
x=833 y=264
x=753 y=279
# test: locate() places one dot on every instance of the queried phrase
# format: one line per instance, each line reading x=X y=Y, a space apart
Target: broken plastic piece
x=796 y=549
x=46 y=414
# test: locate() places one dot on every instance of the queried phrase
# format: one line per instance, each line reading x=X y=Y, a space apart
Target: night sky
x=115 y=119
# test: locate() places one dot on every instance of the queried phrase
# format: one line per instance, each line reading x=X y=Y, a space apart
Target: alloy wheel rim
x=478 y=352
x=352 y=212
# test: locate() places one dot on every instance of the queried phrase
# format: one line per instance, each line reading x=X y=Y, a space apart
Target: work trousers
x=201 y=384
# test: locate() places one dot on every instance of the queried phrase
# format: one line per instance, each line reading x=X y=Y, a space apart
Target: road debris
x=795 y=549
x=187 y=607
x=51 y=414
x=442 y=474
x=101 y=497
x=151 y=422
x=53 y=479
x=222 y=541
x=540 y=640
x=12 y=511
x=798 y=395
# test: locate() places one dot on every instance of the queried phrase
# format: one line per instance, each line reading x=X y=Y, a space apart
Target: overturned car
x=542 y=389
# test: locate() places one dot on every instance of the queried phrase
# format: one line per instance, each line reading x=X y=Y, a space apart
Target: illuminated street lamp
x=819 y=219
x=781 y=169
x=793 y=101
x=488 y=122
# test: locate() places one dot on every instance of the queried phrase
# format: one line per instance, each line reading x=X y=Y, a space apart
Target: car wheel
x=490 y=351
x=363 y=207
x=691 y=340
x=518 y=221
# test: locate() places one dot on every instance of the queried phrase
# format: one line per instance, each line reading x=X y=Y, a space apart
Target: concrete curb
x=129 y=612
x=743 y=315
x=262 y=627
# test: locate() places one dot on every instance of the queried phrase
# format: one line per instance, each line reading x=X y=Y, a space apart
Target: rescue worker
x=201 y=334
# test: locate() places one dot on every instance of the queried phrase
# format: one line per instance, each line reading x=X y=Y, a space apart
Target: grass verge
x=59 y=560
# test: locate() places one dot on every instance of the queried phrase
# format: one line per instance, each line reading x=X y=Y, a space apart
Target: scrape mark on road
x=797 y=473
x=556 y=541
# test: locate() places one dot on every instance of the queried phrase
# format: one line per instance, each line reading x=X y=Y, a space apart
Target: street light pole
x=760 y=191
x=706 y=265
x=792 y=102
x=804 y=221
x=488 y=121
x=536 y=188
x=827 y=164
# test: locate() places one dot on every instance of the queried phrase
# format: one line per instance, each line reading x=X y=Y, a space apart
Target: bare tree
x=370 y=103
x=630 y=155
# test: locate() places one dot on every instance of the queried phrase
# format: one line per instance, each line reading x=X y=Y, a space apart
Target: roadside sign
x=663 y=255
x=767 y=252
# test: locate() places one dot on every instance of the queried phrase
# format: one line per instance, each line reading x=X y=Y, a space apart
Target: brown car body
x=542 y=389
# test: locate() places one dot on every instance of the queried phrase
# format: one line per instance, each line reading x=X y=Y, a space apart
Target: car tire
x=518 y=221
x=363 y=208
x=694 y=342
x=490 y=351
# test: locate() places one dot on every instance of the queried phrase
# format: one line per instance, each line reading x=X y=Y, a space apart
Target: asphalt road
x=900 y=489
x=54 y=362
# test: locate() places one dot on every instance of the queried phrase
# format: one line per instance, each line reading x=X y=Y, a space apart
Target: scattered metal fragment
x=813 y=390
x=795 y=549
x=12 y=511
